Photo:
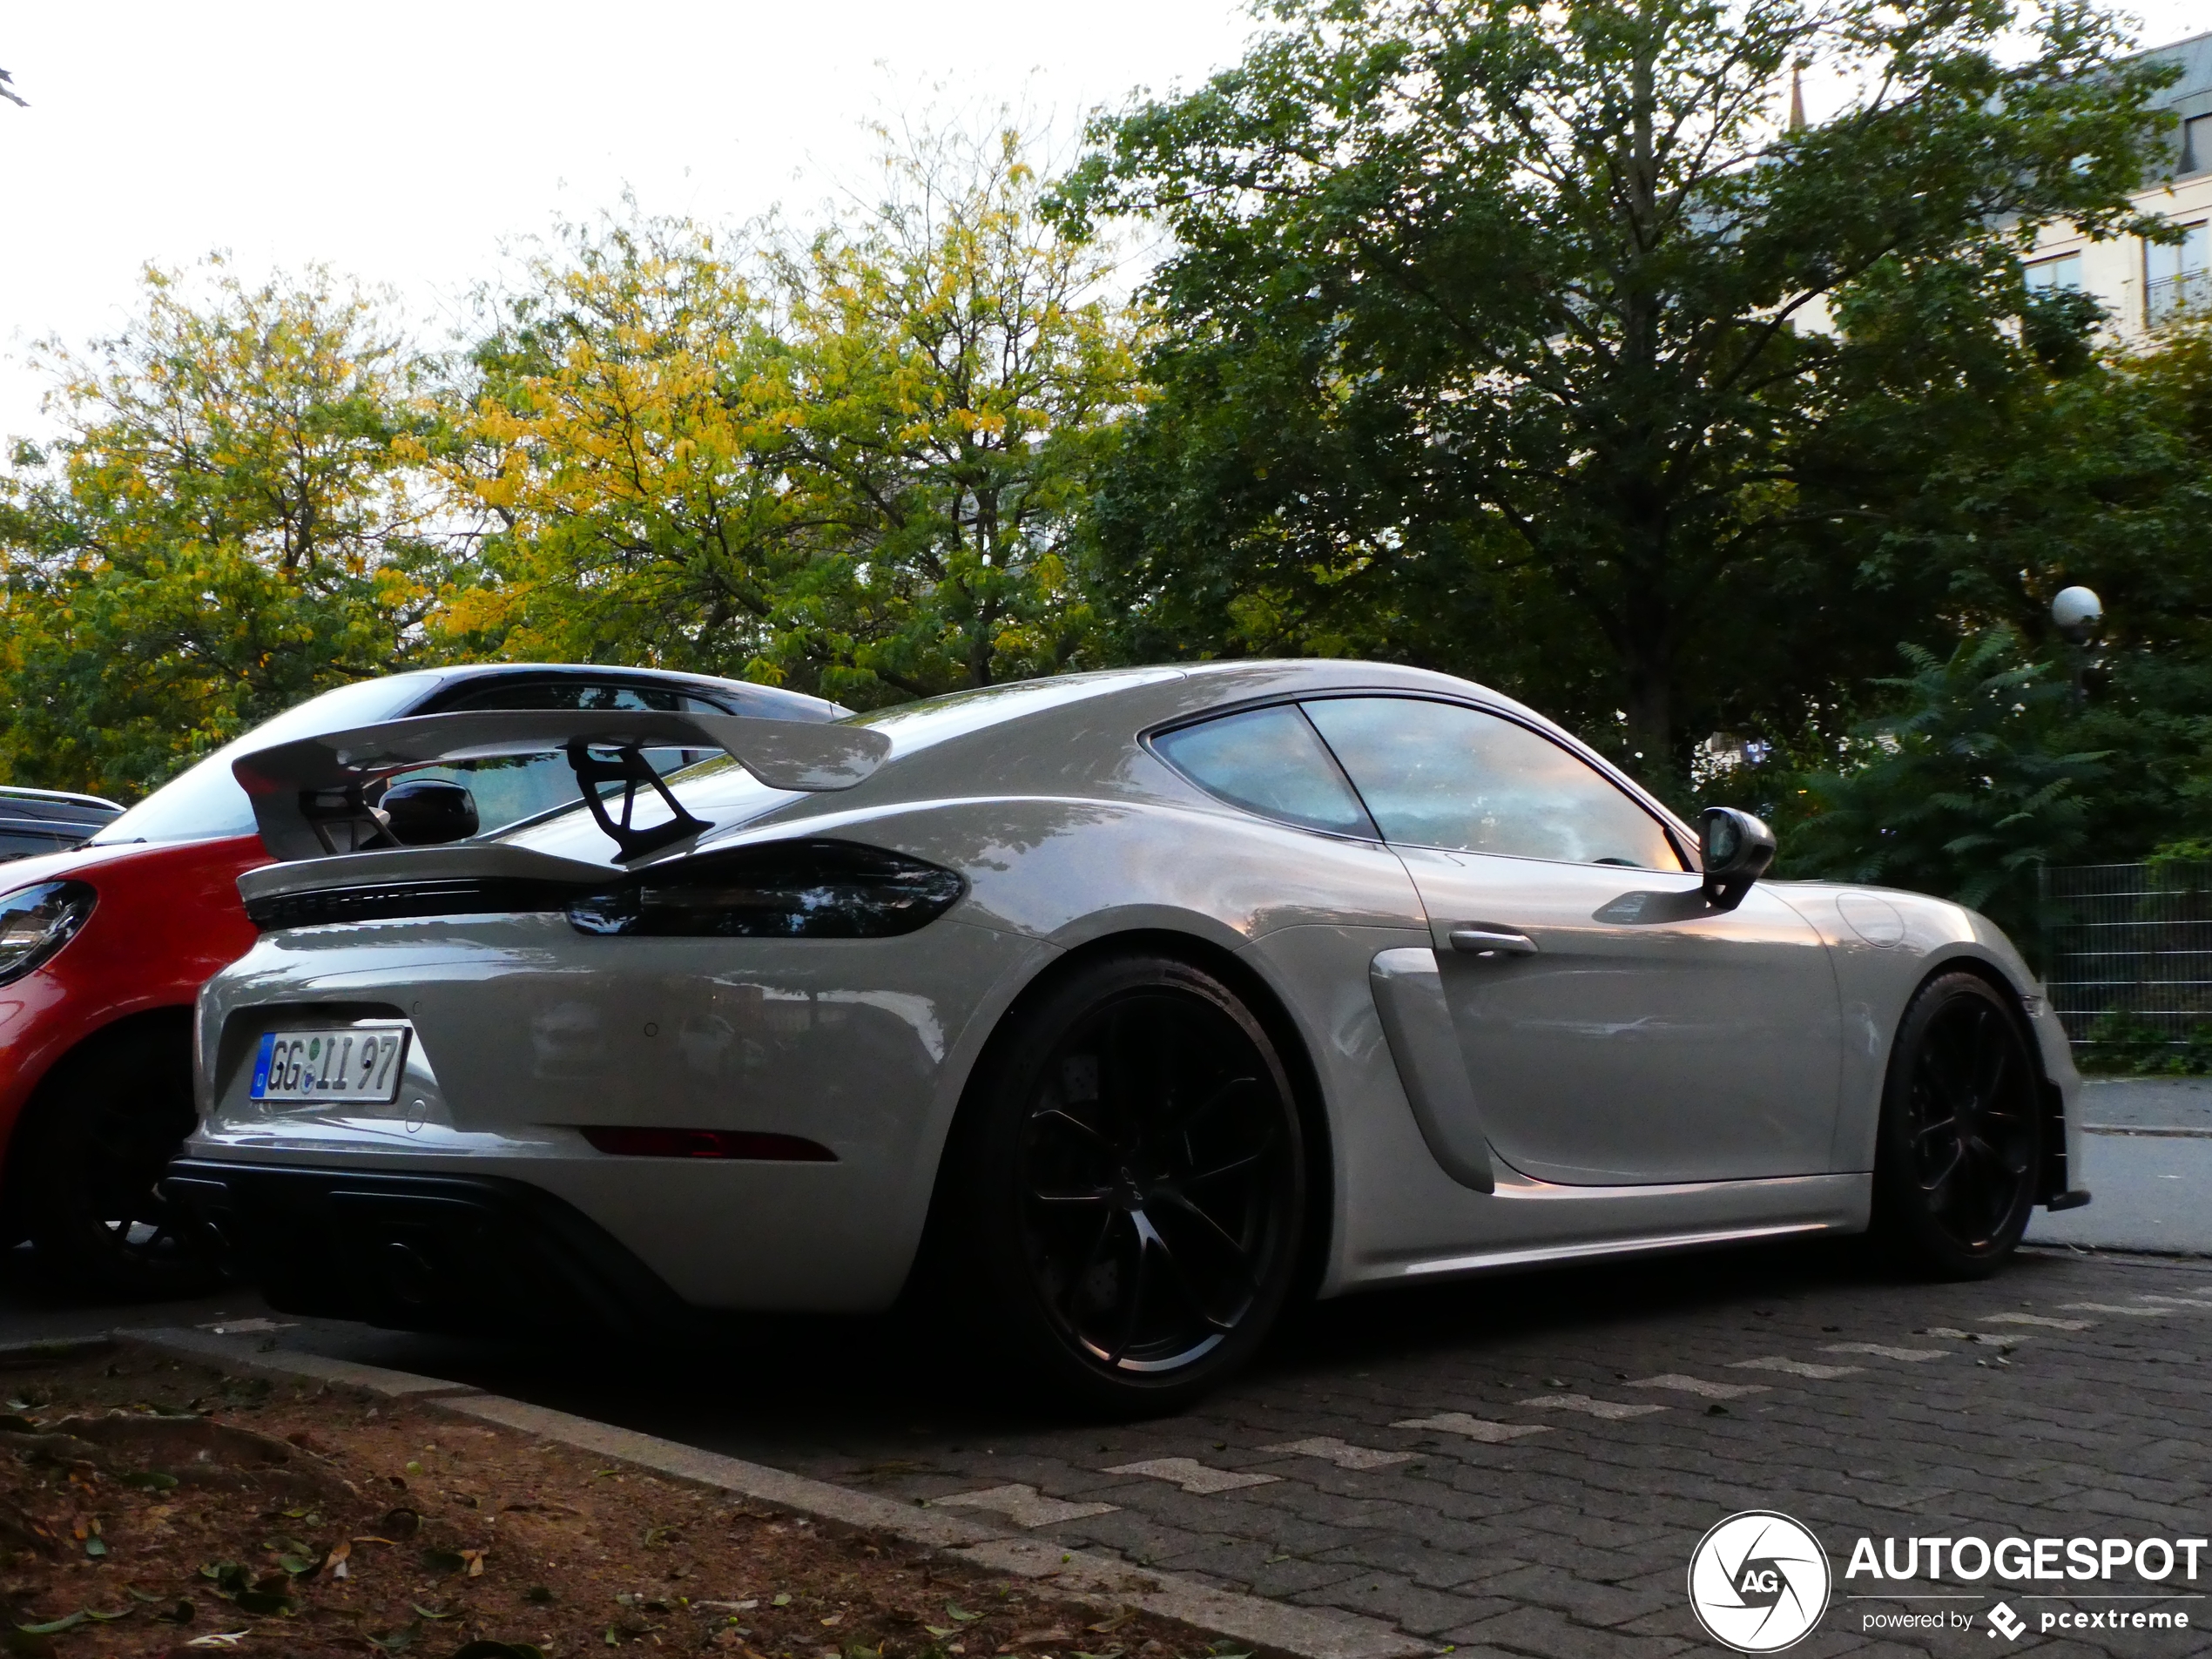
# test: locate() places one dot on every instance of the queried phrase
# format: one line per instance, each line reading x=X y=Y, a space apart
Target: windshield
x=207 y=801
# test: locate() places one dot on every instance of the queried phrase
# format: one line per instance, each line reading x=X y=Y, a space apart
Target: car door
x=1616 y=1029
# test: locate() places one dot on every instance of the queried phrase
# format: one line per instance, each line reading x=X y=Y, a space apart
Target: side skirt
x=1535 y=1223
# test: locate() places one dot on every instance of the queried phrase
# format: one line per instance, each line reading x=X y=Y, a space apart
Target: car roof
x=55 y=805
x=800 y=705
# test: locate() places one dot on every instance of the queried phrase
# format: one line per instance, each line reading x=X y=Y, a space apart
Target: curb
x=275 y=1362
x=1084 y=1576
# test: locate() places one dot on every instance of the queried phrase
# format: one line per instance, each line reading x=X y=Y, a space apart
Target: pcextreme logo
x=1758 y=1581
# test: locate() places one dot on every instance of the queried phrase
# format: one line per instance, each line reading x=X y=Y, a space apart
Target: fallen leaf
x=218 y=1639
x=962 y=1613
x=783 y=1599
x=55 y=1627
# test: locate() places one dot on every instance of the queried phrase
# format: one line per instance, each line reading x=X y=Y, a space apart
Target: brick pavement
x=1550 y=1449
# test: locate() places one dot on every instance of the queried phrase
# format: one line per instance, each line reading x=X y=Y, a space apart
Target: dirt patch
x=156 y=1506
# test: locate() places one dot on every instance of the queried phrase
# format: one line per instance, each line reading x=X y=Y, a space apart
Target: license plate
x=361 y=1062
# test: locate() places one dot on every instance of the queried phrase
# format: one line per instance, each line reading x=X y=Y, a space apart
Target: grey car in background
x=1128 y=1006
x=50 y=820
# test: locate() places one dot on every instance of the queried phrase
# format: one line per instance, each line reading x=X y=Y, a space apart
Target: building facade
x=2144 y=285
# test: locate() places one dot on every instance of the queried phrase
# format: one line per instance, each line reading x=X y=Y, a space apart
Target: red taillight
x=709 y=1144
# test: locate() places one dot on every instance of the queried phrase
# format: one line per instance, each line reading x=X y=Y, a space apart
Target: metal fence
x=2128 y=950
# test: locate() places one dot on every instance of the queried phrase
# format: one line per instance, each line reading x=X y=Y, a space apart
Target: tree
x=849 y=464
x=1503 y=336
x=1966 y=790
x=223 y=528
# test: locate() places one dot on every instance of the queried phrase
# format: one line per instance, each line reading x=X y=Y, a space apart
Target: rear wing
x=309 y=801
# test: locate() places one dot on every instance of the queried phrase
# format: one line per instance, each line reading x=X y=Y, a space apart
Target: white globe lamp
x=2077 y=612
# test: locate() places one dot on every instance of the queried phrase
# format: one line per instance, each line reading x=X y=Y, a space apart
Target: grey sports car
x=1129 y=1006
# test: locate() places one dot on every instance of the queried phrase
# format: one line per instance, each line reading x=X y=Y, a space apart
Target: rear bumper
x=469 y=1255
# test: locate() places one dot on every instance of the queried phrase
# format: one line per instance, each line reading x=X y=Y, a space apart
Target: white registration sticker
x=360 y=1062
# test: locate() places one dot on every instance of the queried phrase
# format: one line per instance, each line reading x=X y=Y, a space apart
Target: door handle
x=1492 y=941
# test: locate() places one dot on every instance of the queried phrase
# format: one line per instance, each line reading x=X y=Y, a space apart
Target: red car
x=103 y=947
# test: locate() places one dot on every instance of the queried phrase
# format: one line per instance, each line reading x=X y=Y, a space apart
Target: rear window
x=207 y=801
x=1268 y=761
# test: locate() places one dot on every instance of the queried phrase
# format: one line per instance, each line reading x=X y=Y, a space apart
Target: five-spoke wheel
x=1956 y=1169
x=1135 y=1184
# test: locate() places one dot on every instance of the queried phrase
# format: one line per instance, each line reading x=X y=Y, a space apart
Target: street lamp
x=2078 y=612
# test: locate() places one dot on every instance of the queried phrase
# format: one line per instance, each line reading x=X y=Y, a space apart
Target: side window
x=1436 y=774
x=1268 y=761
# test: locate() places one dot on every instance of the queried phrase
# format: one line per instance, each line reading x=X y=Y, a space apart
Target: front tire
x=1130 y=1191
x=103 y=1129
x=1960 y=1142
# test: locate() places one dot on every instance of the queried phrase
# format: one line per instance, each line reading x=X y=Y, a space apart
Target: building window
x=2175 y=278
x=2064 y=272
x=2196 y=144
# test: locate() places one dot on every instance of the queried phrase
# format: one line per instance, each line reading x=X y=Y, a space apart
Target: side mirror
x=428 y=811
x=1735 y=849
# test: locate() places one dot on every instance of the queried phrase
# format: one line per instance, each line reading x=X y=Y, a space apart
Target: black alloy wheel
x=1959 y=1159
x=104 y=1128
x=1136 y=1186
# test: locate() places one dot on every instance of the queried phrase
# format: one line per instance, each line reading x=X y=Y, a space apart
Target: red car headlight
x=34 y=922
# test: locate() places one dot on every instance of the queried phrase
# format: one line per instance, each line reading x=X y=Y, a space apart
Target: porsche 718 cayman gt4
x=1145 y=1000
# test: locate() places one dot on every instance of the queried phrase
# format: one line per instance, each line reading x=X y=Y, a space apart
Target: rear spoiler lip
x=395 y=867
x=783 y=754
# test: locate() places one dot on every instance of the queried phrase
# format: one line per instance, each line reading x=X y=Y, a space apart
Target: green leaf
x=148 y=1480
x=962 y=1613
x=55 y=1627
x=432 y=1613
x=94 y=1547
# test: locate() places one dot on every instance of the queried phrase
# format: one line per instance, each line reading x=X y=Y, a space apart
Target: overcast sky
x=403 y=141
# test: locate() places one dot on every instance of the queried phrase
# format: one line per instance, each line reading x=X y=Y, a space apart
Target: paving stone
x=1344 y=1456
x=1406 y=1604
x=1193 y=1475
x=1551 y=1634
x=1577 y=1595
x=1023 y=1505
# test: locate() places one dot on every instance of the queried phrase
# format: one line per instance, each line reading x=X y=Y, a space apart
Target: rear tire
x=103 y=1129
x=1957 y=1163
x=1128 y=1191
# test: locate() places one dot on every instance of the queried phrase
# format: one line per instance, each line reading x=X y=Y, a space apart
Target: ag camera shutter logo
x=1758 y=1581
